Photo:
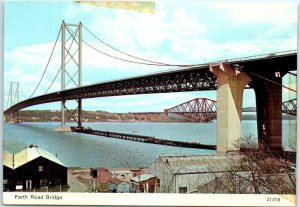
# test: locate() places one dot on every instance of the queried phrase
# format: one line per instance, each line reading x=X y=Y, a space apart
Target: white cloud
x=172 y=35
x=15 y=71
x=260 y=12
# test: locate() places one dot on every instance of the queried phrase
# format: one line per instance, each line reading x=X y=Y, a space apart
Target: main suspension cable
x=130 y=61
x=65 y=57
x=47 y=63
x=127 y=54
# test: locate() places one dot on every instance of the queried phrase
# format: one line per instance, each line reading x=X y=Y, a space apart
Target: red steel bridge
x=263 y=73
x=205 y=109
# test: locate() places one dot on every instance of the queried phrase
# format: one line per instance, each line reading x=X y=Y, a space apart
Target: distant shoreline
x=103 y=116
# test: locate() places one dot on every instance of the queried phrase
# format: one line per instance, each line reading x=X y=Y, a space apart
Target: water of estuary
x=83 y=150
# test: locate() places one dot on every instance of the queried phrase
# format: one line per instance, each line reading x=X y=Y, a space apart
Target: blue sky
x=184 y=32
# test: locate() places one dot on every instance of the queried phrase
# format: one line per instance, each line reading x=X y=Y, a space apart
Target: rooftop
x=27 y=155
x=199 y=163
x=116 y=181
x=120 y=170
x=8 y=159
x=142 y=177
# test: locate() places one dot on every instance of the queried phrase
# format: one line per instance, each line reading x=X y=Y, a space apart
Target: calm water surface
x=93 y=151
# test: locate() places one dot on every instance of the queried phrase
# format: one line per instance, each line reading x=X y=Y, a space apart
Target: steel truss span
x=205 y=110
x=199 y=109
x=190 y=79
x=290 y=107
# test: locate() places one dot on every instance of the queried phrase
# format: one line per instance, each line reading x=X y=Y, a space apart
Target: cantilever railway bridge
x=205 y=109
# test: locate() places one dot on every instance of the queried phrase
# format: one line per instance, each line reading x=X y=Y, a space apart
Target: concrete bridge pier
x=269 y=114
x=79 y=121
x=230 y=88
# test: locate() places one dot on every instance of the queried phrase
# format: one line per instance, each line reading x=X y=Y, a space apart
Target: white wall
x=164 y=174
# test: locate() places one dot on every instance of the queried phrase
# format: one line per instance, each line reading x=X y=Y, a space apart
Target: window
x=182 y=189
x=158 y=182
x=277 y=74
x=43 y=182
x=40 y=168
x=20 y=182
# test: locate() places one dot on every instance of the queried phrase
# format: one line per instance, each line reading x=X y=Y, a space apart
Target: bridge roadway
x=187 y=79
x=141 y=138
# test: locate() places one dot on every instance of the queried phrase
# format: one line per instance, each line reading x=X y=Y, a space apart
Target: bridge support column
x=269 y=114
x=79 y=112
x=230 y=88
x=63 y=121
x=63 y=127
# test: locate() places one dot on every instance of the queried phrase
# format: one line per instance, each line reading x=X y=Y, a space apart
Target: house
x=124 y=174
x=144 y=183
x=34 y=168
x=184 y=174
x=118 y=186
x=103 y=176
x=8 y=171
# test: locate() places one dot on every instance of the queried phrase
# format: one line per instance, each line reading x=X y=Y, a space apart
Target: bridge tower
x=230 y=88
x=71 y=70
x=13 y=98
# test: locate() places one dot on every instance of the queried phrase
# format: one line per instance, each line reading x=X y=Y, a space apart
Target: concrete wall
x=75 y=185
x=123 y=188
x=170 y=183
x=123 y=176
x=165 y=177
x=192 y=181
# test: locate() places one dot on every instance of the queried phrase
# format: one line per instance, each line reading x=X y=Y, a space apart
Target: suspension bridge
x=263 y=73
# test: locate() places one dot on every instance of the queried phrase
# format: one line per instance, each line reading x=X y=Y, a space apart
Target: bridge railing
x=261 y=56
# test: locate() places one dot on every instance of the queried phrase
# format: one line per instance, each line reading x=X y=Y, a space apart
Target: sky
x=178 y=32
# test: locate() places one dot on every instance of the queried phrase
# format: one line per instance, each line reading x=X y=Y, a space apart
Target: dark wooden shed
x=36 y=168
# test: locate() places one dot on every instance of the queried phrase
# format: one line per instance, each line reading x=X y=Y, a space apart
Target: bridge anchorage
x=71 y=47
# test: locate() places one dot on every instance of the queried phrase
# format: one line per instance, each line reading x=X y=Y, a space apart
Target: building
x=34 y=168
x=118 y=186
x=103 y=176
x=8 y=171
x=144 y=183
x=124 y=174
x=138 y=171
x=184 y=174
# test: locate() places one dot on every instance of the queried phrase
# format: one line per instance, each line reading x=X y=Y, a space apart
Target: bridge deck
x=197 y=78
x=141 y=138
